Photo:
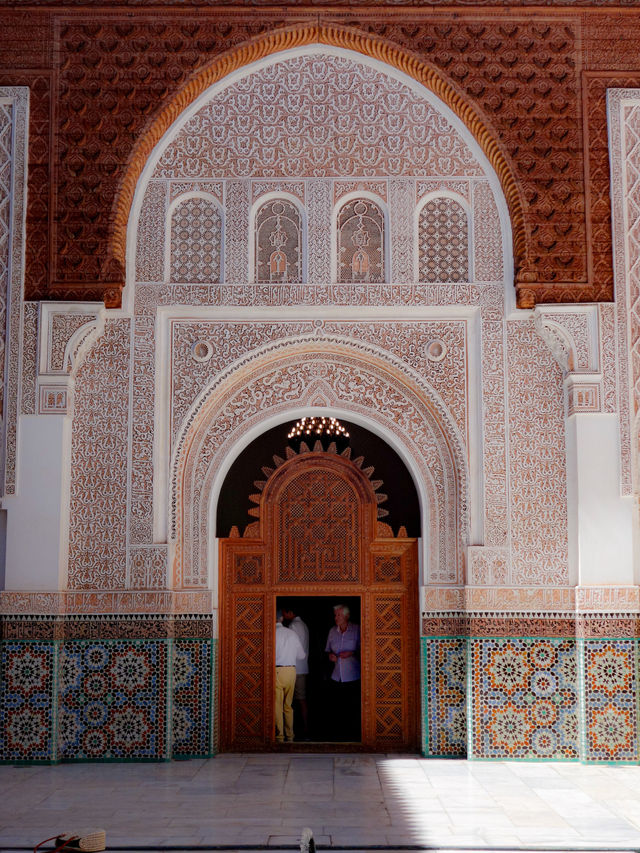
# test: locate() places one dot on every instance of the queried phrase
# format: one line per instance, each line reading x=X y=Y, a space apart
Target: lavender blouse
x=345 y=669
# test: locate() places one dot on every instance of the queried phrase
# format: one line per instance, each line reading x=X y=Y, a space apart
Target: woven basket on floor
x=89 y=840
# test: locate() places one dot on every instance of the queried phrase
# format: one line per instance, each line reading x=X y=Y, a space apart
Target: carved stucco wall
x=319 y=128
x=459 y=392
x=470 y=391
x=14 y=126
x=624 y=129
x=291 y=374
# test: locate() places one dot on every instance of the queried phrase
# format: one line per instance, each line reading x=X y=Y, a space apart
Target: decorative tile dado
x=444 y=668
x=524 y=699
x=192 y=700
x=113 y=700
x=27 y=701
x=610 y=700
x=99 y=698
x=95 y=697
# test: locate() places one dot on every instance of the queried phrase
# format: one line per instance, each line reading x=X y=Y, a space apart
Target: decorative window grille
x=278 y=234
x=443 y=241
x=196 y=242
x=360 y=242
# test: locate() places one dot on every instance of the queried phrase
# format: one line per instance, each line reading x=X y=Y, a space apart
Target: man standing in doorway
x=288 y=651
x=302 y=666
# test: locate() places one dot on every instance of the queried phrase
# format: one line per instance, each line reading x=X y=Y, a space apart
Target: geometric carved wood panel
x=334 y=501
x=387 y=644
x=318 y=529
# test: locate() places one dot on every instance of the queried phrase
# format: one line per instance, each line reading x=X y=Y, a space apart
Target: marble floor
x=349 y=801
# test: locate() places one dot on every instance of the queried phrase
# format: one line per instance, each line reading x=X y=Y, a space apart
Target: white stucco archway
x=315 y=374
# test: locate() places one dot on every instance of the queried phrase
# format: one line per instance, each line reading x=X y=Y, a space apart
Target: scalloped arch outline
x=299 y=36
x=190 y=489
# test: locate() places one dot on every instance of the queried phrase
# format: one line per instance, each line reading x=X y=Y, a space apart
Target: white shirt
x=288 y=646
x=297 y=625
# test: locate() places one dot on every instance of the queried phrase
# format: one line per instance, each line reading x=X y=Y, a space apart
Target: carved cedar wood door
x=318 y=534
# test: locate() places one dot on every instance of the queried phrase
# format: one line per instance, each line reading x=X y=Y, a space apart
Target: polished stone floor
x=347 y=800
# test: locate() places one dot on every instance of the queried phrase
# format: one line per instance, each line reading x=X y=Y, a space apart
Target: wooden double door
x=318 y=535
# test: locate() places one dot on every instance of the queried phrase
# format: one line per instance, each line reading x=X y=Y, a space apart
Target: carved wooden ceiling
x=536 y=78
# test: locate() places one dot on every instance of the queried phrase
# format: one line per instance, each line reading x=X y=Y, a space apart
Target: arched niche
x=252 y=133
x=290 y=377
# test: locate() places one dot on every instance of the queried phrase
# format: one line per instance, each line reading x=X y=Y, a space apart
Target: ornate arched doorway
x=318 y=534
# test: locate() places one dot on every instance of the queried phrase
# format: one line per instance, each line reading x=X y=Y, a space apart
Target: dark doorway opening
x=402 y=505
x=334 y=710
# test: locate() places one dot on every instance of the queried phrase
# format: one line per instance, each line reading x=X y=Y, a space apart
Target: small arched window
x=196 y=241
x=443 y=241
x=278 y=235
x=361 y=242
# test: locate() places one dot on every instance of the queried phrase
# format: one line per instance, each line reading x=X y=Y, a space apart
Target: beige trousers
x=285 y=684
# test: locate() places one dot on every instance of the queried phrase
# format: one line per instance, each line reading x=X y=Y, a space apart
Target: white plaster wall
x=37 y=514
x=601 y=522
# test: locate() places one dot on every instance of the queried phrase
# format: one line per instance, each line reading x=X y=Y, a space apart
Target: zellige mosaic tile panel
x=610 y=690
x=524 y=698
x=113 y=699
x=444 y=672
x=191 y=705
x=27 y=701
